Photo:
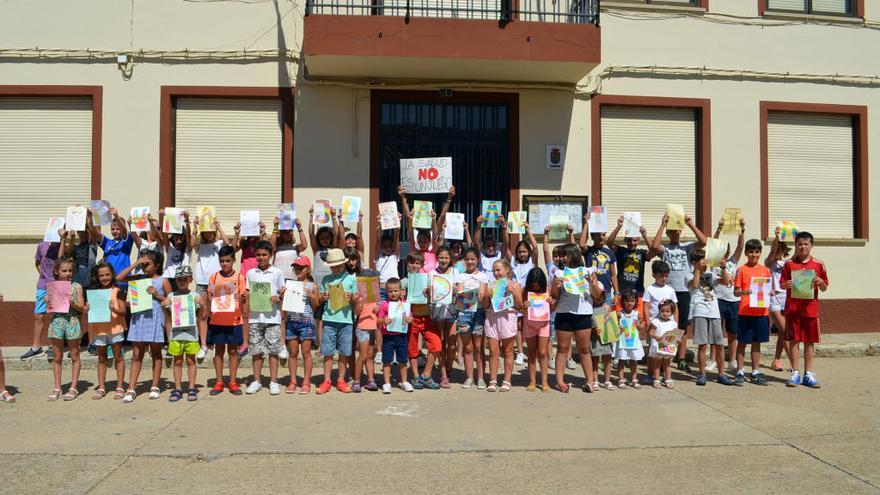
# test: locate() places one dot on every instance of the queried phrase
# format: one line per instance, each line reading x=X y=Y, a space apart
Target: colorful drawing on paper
x=629 y=334
x=598 y=219
x=223 y=299
x=426 y=175
x=539 y=307
x=609 y=328
x=322 y=213
x=516 y=222
x=632 y=224
x=715 y=250
x=787 y=230
x=466 y=300
x=351 y=209
x=294 y=297
x=337 y=297
x=732 y=218
x=441 y=289
x=368 y=288
x=250 y=223
x=59 y=297
x=183 y=311
x=172 y=222
x=575 y=281
x=416 y=283
x=760 y=292
x=676 y=217
x=51 y=234
x=501 y=298
x=140 y=221
x=491 y=210
x=207 y=215
x=667 y=344
x=286 y=213
x=454 y=226
x=138 y=297
x=559 y=226
x=388 y=215
x=397 y=315
x=422 y=214
x=76 y=218
x=99 y=305
x=260 y=297
x=802 y=284
x=100 y=212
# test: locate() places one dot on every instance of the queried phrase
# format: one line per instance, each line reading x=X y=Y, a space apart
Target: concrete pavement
x=687 y=440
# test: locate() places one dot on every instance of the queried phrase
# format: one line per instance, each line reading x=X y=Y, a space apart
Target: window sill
x=829 y=242
x=831 y=19
x=21 y=238
x=623 y=4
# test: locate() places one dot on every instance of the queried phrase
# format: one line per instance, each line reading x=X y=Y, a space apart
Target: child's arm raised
x=303 y=242
x=360 y=232
x=508 y=255
x=220 y=231
x=467 y=235
x=187 y=233
x=585 y=233
x=545 y=243
x=195 y=238
x=656 y=245
x=120 y=222
x=273 y=239
x=236 y=239
x=338 y=230
x=62 y=247
x=160 y=237
x=740 y=239
x=478 y=233
x=701 y=237
x=377 y=238
x=401 y=191
x=93 y=233
x=532 y=242
x=441 y=219
x=609 y=241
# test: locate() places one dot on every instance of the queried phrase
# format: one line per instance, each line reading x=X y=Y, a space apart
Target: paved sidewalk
x=687 y=440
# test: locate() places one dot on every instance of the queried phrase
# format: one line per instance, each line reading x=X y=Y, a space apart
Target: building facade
x=770 y=106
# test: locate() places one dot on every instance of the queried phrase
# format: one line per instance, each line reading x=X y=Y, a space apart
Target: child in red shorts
x=802 y=307
x=423 y=325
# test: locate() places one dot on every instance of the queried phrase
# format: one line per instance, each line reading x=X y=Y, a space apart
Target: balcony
x=553 y=41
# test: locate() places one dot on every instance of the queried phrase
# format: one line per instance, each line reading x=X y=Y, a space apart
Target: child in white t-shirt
x=657 y=357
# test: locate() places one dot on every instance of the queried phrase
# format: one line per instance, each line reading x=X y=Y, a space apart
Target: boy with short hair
x=705 y=316
x=394 y=345
x=225 y=327
x=184 y=340
x=421 y=325
x=802 y=315
x=264 y=334
x=338 y=321
x=753 y=325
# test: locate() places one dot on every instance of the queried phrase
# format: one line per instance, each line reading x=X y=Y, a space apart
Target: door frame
x=377 y=97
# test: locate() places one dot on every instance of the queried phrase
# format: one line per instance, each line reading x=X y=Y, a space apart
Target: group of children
x=581 y=281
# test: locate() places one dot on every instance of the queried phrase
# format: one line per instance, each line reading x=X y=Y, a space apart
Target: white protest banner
x=426 y=175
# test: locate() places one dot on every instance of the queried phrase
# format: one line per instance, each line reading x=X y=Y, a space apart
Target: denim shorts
x=364 y=335
x=336 y=338
x=108 y=339
x=299 y=330
x=470 y=322
x=729 y=315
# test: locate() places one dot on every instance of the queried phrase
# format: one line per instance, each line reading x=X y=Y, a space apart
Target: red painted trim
x=860 y=8
x=378 y=36
x=704 y=145
x=166 y=130
x=96 y=93
x=860 y=149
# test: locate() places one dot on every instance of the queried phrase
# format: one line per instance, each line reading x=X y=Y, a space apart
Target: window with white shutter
x=819 y=7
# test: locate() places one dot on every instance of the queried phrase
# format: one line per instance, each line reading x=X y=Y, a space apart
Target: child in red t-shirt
x=753 y=326
x=802 y=306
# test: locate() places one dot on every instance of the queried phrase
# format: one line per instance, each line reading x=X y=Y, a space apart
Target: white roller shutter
x=830 y=6
x=648 y=160
x=228 y=154
x=45 y=160
x=793 y=5
x=810 y=172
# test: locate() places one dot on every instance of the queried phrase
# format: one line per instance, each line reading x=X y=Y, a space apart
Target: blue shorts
x=40 y=302
x=336 y=337
x=394 y=348
x=299 y=330
x=729 y=315
x=753 y=329
x=226 y=335
x=470 y=322
x=364 y=335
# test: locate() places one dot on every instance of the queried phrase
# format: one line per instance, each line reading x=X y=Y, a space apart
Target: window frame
x=858 y=7
x=859 y=115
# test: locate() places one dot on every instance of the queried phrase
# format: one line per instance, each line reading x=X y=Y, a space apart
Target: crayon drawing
x=466 y=300
x=59 y=297
x=598 y=219
x=250 y=223
x=207 y=214
x=802 y=284
x=337 y=297
x=501 y=299
x=100 y=212
x=388 y=215
x=454 y=226
x=787 y=230
x=351 y=209
x=732 y=218
x=760 y=292
x=397 y=314
x=140 y=221
x=416 y=283
x=368 y=288
x=140 y=299
x=539 y=307
x=223 y=300
x=294 y=297
x=441 y=289
x=715 y=250
x=286 y=216
x=183 y=311
x=629 y=334
x=172 y=222
x=99 y=305
x=259 y=297
x=422 y=214
x=516 y=222
x=632 y=224
x=667 y=344
x=559 y=226
x=491 y=211
x=322 y=214
x=574 y=281
x=51 y=234
x=76 y=218
x=676 y=217
x=609 y=329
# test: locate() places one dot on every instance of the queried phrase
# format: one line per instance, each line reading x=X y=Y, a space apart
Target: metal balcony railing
x=562 y=11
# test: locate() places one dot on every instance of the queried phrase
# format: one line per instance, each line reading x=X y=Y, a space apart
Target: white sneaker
x=378 y=360
x=386 y=388
x=711 y=366
x=200 y=356
x=406 y=386
x=253 y=388
x=552 y=363
x=570 y=364
x=468 y=383
x=282 y=357
x=274 y=388
x=520 y=358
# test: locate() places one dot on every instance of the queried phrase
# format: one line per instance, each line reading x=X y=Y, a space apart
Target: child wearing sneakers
x=705 y=316
x=183 y=339
x=802 y=315
x=754 y=324
x=394 y=344
x=264 y=334
x=422 y=325
x=300 y=327
x=226 y=292
x=654 y=294
x=338 y=319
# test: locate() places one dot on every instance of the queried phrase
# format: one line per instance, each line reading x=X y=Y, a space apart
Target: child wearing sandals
x=629 y=357
x=299 y=330
x=183 y=341
x=109 y=334
x=659 y=326
x=536 y=332
x=501 y=327
x=444 y=316
x=65 y=327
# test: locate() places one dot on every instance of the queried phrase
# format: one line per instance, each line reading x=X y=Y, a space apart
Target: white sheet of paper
x=632 y=223
x=55 y=224
x=454 y=226
x=388 y=215
x=250 y=223
x=76 y=218
x=294 y=297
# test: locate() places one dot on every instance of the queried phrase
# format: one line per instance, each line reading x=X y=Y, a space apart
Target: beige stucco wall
x=331 y=154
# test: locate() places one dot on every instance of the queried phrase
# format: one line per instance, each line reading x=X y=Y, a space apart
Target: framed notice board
x=541 y=208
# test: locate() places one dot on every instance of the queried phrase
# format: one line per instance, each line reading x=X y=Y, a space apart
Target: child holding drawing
x=629 y=348
x=443 y=315
x=705 y=316
x=394 y=340
x=536 y=326
x=753 y=326
x=775 y=261
x=64 y=326
x=226 y=292
x=183 y=336
x=340 y=295
x=300 y=327
x=659 y=353
x=108 y=335
x=470 y=286
x=523 y=259
x=365 y=327
x=501 y=326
